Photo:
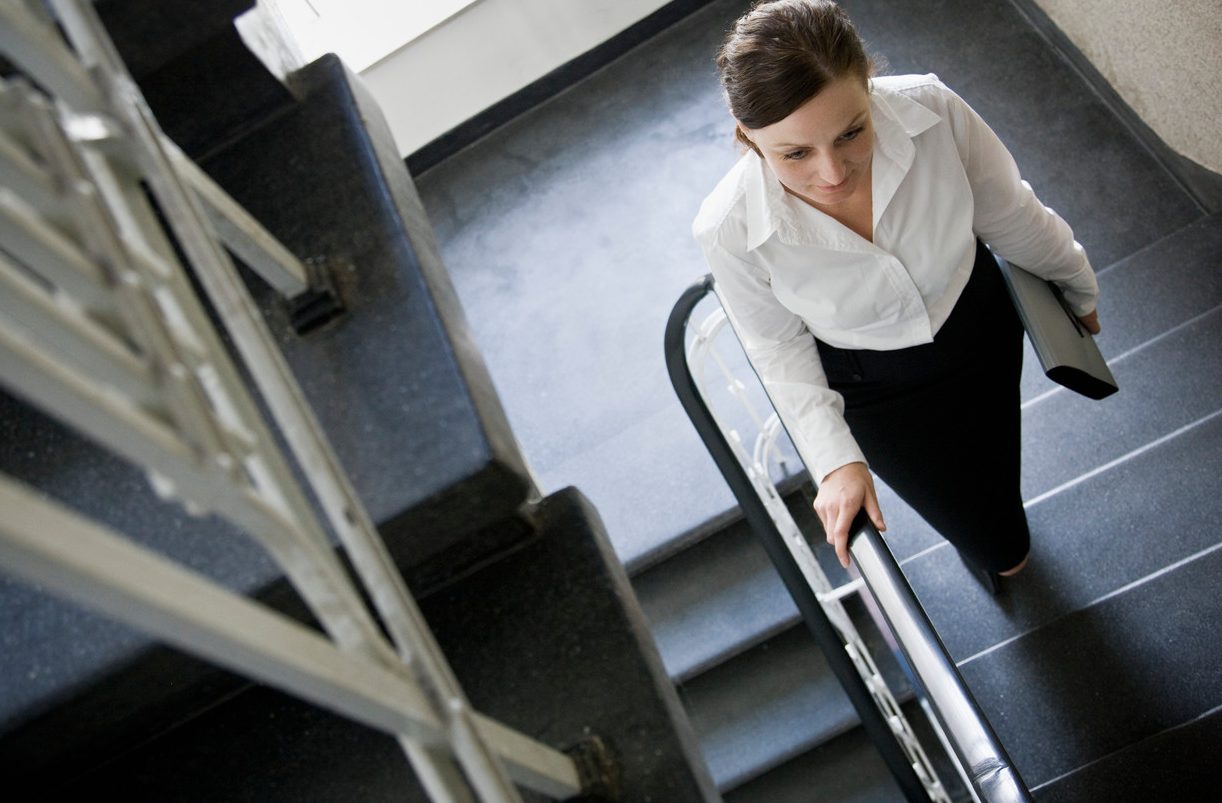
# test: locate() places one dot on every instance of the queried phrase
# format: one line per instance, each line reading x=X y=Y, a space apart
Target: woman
x=847 y=246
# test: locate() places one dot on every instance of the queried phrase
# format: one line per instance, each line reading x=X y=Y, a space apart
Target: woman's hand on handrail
x=842 y=493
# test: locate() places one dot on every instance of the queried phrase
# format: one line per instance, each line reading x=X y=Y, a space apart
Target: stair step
x=649 y=509
x=1114 y=529
x=722 y=595
x=1167 y=385
x=848 y=769
x=545 y=640
x=1110 y=675
x=775 y=701
x=1167 y=766
x=408 y=409
x=1161 y=286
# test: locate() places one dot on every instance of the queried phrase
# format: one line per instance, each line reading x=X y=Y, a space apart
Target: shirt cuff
x=829 y=454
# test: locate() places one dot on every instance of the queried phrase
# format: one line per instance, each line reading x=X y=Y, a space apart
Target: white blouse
x=784 y=270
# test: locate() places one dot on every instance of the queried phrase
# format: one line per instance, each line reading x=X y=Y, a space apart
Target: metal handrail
x=975 y=745
x=756 y=514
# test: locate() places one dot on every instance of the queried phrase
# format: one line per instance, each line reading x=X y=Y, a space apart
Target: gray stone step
x=1110 y=675
x=654 y=482
x=1170 y=383
x=1161 y=286
x=847 y=769
x=1124 y=524
x=1080 y=639
x=1171 y=765
x=721 y=595
x=547 y=641
x=779 y=699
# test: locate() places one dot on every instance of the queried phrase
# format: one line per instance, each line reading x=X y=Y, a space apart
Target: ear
x=740 y=134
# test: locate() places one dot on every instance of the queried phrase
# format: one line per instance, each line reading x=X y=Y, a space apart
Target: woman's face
x=821 y=152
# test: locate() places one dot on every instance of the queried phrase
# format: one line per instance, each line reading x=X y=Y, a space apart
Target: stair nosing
x=666 y=549
x=738 y=648
x=846 y=725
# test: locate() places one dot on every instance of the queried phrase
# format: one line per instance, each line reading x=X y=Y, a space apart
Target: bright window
x=361 y=32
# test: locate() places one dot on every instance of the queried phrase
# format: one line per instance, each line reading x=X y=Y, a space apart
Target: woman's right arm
x=783 y=352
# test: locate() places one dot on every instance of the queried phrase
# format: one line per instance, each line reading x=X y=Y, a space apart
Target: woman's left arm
x=1010 y=218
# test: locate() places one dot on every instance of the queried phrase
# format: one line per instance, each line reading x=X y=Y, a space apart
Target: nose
x=830 y=170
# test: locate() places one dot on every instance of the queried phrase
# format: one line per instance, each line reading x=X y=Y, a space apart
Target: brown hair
x=781 y=54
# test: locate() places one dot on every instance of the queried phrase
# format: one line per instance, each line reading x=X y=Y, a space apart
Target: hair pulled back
x=781 y=54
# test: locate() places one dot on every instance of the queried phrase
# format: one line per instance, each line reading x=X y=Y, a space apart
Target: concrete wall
x=485 y=53
x=1165 y=60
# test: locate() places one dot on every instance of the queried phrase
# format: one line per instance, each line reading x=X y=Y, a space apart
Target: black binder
x=1067 y=352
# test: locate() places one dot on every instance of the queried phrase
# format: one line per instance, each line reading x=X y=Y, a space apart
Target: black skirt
x=940 y=422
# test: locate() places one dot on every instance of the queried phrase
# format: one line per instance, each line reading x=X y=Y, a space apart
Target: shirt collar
x=766 y=201
x=897 y=119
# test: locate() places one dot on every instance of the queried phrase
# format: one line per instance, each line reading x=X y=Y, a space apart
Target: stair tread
x=1165 y=766
x=846 y=772
x=712 y=601
x=722 y=594
x=773 y=702
x=1170 y=384
x=1106 y=676
x=1078 y=555
x=643 y=516
x=846 y=769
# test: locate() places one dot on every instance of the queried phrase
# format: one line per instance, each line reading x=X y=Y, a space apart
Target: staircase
x=520 y=589
x=566 y=234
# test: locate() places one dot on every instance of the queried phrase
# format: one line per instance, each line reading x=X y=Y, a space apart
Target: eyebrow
x=858 y=120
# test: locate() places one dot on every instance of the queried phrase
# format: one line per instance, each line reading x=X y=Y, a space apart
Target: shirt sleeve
x=783 y=353
x=1010 y=218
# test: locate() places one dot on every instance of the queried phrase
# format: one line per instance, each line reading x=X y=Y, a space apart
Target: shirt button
x=855 y=377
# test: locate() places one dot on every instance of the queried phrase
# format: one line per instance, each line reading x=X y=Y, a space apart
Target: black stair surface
x=570 y=225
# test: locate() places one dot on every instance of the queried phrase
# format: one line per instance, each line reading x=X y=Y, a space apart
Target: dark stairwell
x=565 y=234
x=566 y=231
x=521 y=589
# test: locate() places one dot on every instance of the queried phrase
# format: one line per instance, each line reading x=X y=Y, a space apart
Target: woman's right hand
x=842 y=493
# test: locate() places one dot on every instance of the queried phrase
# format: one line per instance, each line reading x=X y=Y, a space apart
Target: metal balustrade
x=956 y=719
x=99 y=326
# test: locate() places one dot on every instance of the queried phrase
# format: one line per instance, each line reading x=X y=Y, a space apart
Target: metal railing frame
x=112 y=340
x=982 y=759
x=756 y=461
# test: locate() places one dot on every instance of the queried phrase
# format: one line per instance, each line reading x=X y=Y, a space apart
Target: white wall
x=1165 y=60
x=485 y=53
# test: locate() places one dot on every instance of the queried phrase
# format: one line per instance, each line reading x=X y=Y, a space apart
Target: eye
x=794 y=156
x=851 y=134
